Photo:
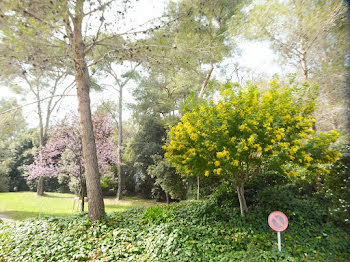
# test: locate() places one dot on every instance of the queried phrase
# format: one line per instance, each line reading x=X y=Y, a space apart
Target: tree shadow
x=116 y=208
x=48 y=195
x=24 y=215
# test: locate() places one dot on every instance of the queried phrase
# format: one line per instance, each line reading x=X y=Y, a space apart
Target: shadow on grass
x=130 y=202
x=48 y=195
x=23 y=215
x=115 y=208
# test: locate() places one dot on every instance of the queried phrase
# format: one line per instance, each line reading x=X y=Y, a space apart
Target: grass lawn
x=22 y=205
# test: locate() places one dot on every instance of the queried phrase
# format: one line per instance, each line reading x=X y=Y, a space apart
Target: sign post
x=279 y=240
x=278 y=222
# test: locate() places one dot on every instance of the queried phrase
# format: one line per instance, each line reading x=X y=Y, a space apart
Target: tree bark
x=242 y=202
x=93 y=185
x=82 y=189
x=120 y=141
x=206 y=80
x=82 y=204
x=243 y=198
x=120 y=126
x=40 y=186
x=200 y=96
x=304 y=66
x=303 y=59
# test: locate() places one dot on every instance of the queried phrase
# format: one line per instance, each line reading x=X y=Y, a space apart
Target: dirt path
x=5 y=218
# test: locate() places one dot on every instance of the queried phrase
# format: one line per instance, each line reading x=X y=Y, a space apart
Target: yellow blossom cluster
x=246 y=129
x=224 y=154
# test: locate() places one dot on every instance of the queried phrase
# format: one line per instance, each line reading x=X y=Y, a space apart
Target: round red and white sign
x=278 y=221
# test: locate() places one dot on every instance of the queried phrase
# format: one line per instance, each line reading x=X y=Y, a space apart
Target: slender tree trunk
x=206 y=80
x=245 y=208
x=198 y=186
x=43 y=129
x=200 y=95
x=167 y=198
x=82 y=197
x=93 y=185
x=82 y=189
x=240 y=202
x=120 y=141
x=40 y=186
x=304 y=66
x=241 y=198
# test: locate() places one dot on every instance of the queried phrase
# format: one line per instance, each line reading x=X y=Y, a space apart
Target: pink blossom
x=63 y=151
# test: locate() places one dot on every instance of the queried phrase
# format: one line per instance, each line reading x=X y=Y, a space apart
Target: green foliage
x=158 y=215
x=11 y=119
x=3 y=183
x=17 y=153
x=51 y=184
x=263 y=181
x=11 y=125
x=188 y=231
x=197 y=40
x=248 y=133
x=108 y=185
x=225 y=194
x=312 y=36
x=129 y=172
x=337 y=187
x=167 y=178
x=146 y=143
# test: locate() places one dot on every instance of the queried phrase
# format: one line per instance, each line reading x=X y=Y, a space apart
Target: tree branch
x=31 y=103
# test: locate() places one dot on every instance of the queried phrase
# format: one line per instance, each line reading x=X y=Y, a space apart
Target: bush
x=109 y=186
x=226 y=194
x=337 y=189
x=262 y=181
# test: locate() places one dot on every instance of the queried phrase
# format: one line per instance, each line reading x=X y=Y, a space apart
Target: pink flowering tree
x=63 y=152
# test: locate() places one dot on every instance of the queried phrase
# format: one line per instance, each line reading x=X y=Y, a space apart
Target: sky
x=256 y=56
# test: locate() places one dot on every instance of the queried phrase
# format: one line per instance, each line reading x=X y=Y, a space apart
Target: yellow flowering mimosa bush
x=246 y=133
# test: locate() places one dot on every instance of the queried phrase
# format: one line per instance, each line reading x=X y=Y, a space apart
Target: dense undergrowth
x=208 y=230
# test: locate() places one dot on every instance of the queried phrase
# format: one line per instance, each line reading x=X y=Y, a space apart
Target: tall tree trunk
x=93 y=185
x=200 y=96
x=40 y=186
x=120 y=141
x=198 y=187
